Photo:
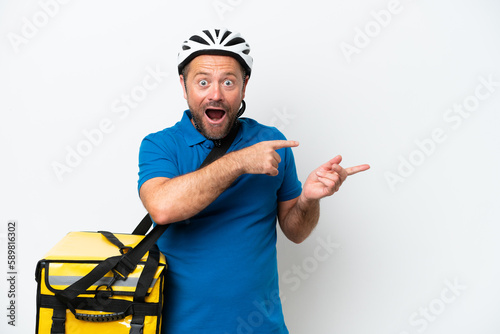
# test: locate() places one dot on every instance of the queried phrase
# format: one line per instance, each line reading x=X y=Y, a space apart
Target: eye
x=203 y=83
x=228 y=83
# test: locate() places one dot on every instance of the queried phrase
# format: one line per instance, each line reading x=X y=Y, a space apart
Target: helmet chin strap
x=242 y=110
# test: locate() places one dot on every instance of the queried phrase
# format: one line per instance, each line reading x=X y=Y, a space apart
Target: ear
x=244 y=87
x=183 y=84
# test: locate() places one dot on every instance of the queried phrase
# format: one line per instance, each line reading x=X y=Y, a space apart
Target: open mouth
x=215 y=115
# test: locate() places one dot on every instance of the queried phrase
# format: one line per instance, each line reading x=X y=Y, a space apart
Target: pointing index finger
x=277 y=144
x=357 y=169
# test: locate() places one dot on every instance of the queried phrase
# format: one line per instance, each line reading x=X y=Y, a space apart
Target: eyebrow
x=201 y=73
x=206 y=73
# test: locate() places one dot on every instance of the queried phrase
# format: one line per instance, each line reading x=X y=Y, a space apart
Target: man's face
x=214 y=88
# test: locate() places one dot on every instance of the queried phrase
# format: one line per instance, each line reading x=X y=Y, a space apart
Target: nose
x=215 y=93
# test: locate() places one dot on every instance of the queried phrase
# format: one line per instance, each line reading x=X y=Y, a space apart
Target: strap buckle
x=117 y=276
x=125 y=249
x=136 y=328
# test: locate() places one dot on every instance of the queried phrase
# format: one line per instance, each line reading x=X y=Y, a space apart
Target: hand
x=262 y=158
x=327 y=179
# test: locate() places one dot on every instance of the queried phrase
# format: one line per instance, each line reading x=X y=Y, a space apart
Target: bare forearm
x=184 y=196
x=301 y=219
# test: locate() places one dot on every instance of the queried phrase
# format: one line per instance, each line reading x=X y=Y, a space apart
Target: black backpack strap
x=130 y=260
x=221 y=146
x=137 y=324
x=114 y=240
x=148 y=274
x=143 y=226
x=219 y=149
x=58 y=320
x=68 y=295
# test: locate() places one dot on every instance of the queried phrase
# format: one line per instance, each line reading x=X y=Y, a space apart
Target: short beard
x=199 y=125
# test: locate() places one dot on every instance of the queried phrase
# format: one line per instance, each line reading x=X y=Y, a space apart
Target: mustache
x=215 y=104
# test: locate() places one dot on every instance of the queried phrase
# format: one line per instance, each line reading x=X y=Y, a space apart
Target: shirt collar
x=190 y=133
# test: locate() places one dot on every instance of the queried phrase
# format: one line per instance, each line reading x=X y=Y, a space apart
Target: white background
x=399 y=243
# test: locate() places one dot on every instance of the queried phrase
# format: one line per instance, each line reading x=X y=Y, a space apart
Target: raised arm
x=180 y=198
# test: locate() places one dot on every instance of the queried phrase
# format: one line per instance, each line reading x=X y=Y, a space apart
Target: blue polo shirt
x=222 y=275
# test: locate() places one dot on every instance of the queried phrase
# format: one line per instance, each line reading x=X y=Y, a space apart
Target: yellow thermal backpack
x=99 y=282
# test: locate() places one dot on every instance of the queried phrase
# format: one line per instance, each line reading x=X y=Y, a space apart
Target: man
x=221 y=246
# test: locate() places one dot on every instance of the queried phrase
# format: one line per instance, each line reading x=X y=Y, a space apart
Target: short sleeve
x=291 y=186
x=156 y=159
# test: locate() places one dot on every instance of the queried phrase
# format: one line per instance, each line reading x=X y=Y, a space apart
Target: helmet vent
x=198 y=39
x=227 y=33
x=209 y=35
x=235 y=41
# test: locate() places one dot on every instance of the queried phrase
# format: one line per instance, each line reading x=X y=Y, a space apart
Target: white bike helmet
x=216 y=42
